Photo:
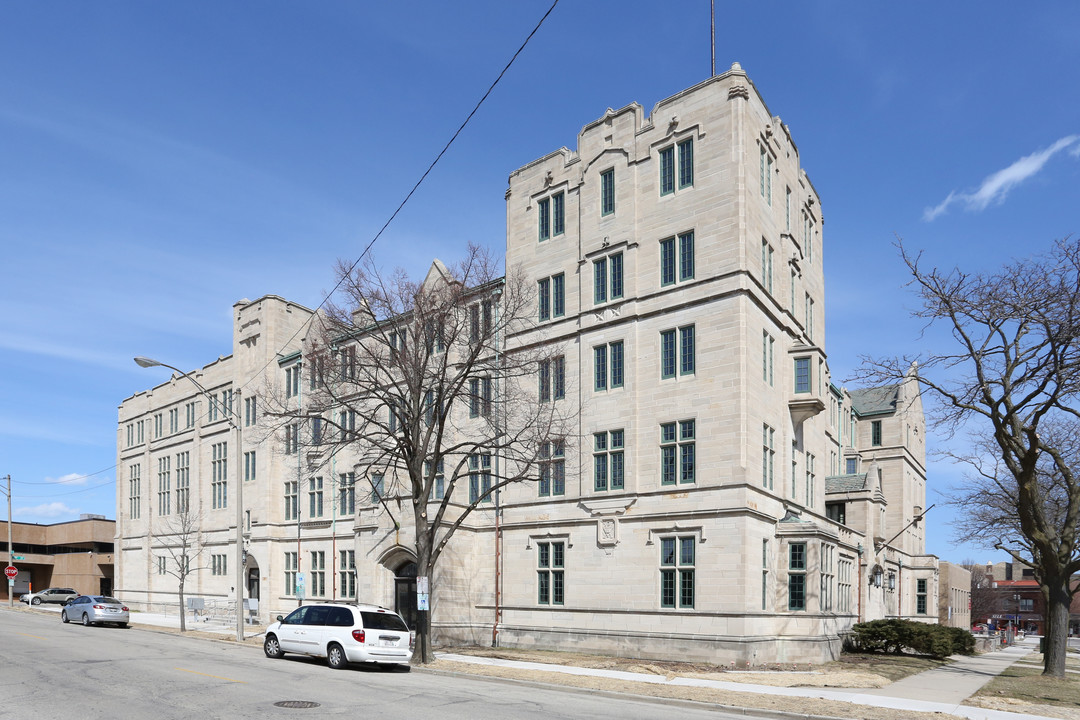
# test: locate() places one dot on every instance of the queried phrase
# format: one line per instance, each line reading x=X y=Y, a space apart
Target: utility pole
x=10 y=547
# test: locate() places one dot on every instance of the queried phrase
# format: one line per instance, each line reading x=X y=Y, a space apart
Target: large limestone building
x=723 y=498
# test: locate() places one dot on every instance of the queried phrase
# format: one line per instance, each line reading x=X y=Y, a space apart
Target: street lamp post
x=11 y=548
x=237 y=427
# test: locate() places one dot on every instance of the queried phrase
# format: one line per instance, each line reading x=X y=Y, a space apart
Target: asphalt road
x=52 y=670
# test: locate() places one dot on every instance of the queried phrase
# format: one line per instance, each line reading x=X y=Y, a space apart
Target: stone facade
x=724 y=500
x=954 y=600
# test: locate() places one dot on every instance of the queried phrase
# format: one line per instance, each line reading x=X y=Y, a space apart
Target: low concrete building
x=954 y=595
x=76 y=554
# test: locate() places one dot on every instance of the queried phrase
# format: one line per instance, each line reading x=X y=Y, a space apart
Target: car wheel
x=36 y=601
x=63 y=616
x=85 y=620
x=121 y=625
x=335 y=657
x=272 y=647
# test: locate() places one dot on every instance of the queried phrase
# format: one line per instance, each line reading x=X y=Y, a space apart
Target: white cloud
x=69 y=479
x=995 y=187
x=47 y=510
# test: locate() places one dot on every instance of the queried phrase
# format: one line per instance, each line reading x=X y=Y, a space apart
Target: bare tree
x=417 y=382
x=983 y=599
x=177 y=536
x=1012 y=379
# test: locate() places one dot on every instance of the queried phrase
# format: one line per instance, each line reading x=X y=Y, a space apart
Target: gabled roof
x=875 y=401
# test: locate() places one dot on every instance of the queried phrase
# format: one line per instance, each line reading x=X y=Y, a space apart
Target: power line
x=423 y=177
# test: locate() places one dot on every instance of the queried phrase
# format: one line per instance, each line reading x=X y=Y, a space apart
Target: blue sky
x=159 y=161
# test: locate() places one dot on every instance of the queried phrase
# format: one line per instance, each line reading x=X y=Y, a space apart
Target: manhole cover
x=296 y=704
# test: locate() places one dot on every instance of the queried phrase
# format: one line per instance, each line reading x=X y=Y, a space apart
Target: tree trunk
x=423 y=653
x=183 y=615
x=1056 y=637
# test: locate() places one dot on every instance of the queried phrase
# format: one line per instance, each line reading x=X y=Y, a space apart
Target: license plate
x=387 y=642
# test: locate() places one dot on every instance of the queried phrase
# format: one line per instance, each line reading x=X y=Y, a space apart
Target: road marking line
x=33 y=636
x=218 y=677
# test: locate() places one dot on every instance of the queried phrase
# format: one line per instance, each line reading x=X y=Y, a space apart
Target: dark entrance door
x=253 y=583
x=405 y=593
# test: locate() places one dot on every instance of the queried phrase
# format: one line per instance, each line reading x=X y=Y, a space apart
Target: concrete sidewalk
x=940 y=690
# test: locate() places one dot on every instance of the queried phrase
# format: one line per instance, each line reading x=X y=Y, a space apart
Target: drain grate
x=296 y=704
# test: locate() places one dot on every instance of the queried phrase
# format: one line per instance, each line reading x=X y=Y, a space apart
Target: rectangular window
x=837 y=512
x=609 y=464
x=219 y=564
x=550 y=566
x=552 y=469
x=347 y=494
x=315 y=497
x=797 y=576
x=920 y=597
x=164 y=486
x=607 y=192
x=544 y=298
x=828 y=576
x=875 y=433
x=768 y=456
x=608 y=366
x=667 y=354
x=544 y=208
x=787 y=209
x=292 y=500
x=347 y=573
x=767 y=266
x=600 y=282
x=161 y=564
x=219 y=471
x=667 y=170
x=552 y=379
x=616 y=261
x=290 y=573
x=558 y=295
x=347 y=362
x=317 y=587
x=851 y=466
x=686 y=256
x=802 y=375
x=183 y=481
x=843 y=586
x=436 y=480
x=250 y=412
x=474 y=398
x=766 y=174
x=686 y=163
x=667 y=261
x=811 y=479
x=346 y=425
x=685 y=265
x=174 y=420
x=687 y=351
x=678 y=452
x=316 y=431
x=600 y=368
x=558 y=214
x=378 y=488
x=767 y=348
x=677 y=564
x=292 y=438
x=809 y=318
x=159 y=422
x=479 y=477
x=764 y=574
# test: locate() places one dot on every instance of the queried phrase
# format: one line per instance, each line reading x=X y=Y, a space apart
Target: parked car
x=341 y=633
x=95 y=610
x=51 y=595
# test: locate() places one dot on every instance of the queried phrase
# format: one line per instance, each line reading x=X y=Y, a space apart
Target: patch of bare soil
x=807 y=706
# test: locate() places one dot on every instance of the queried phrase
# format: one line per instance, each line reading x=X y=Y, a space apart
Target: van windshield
x=383 y=621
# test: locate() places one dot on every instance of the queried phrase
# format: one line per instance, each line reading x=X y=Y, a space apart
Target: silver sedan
x=95 y=610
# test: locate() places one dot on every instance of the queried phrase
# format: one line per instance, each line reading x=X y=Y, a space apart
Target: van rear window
x=383 y=621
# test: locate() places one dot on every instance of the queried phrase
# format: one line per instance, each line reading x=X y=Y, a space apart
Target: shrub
x=898 y=636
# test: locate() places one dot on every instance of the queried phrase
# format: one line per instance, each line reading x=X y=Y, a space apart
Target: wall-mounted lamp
x=892 y=581
x=877 y=577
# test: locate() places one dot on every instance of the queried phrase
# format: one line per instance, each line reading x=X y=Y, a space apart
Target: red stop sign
x=11 y=571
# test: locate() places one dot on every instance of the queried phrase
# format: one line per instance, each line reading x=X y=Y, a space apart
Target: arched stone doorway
x=405 y=592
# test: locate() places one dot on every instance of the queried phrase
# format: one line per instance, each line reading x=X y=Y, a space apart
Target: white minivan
x=341 y=633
